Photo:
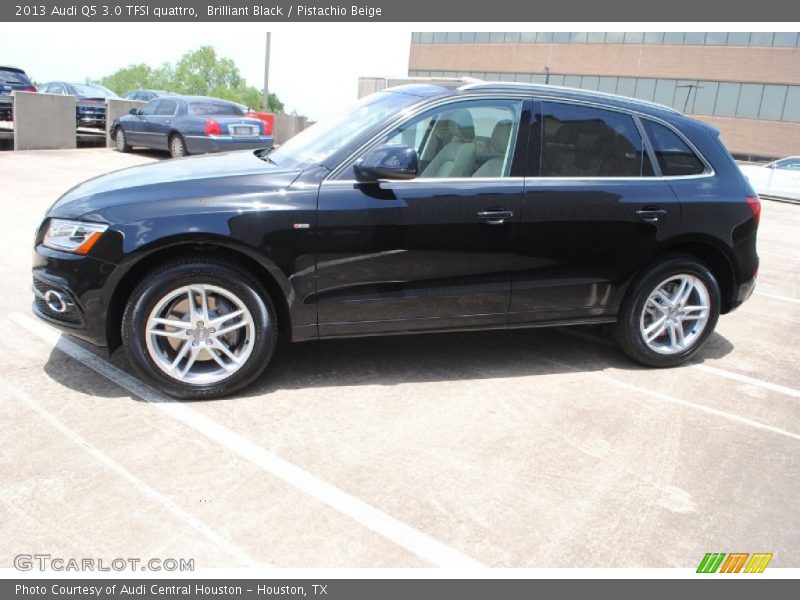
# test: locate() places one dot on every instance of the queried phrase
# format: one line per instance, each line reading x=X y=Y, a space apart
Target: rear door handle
x=495 y=217
x=651 y=213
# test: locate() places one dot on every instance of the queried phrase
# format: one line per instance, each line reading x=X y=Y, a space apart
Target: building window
x=716 y=38
x=645 y=89
x=705 y=97
x=633 y=37
x=739 y=38
x=653 y=37
x=673 y=37
x=482 y=37
x=697 y=38
x=749 y=100
x=791 y=110
x=439 y=37
x=772 y=102
x=596 y=37
x=727 y=99
x=453 y=37
x=615 y=37
x=784 y=39
x=761 y=38
x=561 y=37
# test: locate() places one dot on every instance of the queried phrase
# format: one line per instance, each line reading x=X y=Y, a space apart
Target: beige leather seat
x=499 y=143
x=457 y=158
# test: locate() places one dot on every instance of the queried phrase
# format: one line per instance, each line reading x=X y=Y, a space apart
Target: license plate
x=243 y=130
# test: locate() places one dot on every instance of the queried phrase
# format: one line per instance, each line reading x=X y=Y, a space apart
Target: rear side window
x=214 y=108
x=673 y=154
x=149 y=108
x=166 y=108
x=580 y=141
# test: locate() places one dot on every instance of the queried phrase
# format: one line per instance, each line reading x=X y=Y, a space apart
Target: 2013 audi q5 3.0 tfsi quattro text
x=423 y=208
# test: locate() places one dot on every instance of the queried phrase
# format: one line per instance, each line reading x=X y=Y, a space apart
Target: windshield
x=321 y=140
x=90 y=90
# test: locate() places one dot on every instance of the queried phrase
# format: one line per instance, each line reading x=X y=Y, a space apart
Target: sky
x=314 y=68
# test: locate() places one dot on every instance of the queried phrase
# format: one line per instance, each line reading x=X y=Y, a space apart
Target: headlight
x=73 y=236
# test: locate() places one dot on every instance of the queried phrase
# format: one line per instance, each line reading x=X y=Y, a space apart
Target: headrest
x=500 y=135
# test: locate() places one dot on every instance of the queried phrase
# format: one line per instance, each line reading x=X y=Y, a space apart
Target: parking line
x=699 y=407
x=777 y=297
x=394 y=530
x=767 y=385
x=781 y=389
x=166 y=502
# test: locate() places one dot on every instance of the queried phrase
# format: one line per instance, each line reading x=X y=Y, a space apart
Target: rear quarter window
x=674 y=156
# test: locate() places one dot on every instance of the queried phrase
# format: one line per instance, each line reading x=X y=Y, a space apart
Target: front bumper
x=79 y=283
x=201 y=144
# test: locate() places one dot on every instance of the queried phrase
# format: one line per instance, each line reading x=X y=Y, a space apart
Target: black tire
x=155 y=286
x=177 y=146
x=627 y=331
x=121 y=140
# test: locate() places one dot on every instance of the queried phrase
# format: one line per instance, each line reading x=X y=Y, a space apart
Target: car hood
x=232 y=174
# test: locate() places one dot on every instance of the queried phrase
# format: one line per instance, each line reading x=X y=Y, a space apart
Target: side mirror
x=133 y=111
x=388 y=161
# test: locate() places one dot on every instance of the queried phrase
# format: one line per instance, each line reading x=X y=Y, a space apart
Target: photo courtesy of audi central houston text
x=344 y=302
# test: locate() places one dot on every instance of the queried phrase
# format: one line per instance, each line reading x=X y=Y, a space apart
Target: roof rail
x=479 y=84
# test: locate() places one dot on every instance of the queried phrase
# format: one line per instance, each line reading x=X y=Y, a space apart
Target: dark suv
x=424 y=208
x=12 y=80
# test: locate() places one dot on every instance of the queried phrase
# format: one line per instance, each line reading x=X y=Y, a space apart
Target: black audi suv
x=423 y=208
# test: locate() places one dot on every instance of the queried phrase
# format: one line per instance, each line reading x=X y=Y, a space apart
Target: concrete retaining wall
x=288 y=126
x=116 y=108
x=43 y=121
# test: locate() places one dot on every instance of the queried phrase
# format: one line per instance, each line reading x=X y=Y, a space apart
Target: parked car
x=146 y=95
x=91 y=101
x=424 y=208
x=189 y=125
x=779 y=179
x=12 y=80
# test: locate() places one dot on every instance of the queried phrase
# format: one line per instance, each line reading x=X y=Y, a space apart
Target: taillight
x=754 y=202
x=212 y=127
x=29 y=88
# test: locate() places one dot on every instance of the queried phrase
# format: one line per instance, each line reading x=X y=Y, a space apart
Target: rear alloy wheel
x=199 y=329
x=121 y=141
x=177 y=147
x=669 y=312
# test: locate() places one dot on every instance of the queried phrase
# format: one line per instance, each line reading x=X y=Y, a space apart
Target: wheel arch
x=267 y=273
x=709 y=252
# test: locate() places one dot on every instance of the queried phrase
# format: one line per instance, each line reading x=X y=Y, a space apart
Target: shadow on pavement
x=401 y=359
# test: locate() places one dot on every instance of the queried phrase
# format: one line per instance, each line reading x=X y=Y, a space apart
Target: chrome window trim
x=522 y=96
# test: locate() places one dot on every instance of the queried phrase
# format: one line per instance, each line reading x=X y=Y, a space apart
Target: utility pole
x=266 y=74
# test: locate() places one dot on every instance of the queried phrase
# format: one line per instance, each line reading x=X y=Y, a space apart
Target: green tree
x=200 y=72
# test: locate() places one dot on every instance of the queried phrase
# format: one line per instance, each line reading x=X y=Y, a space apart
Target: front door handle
x=495 y=217
x=651 y=213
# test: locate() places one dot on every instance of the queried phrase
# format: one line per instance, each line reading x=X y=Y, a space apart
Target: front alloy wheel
x=200 y=334
x=199 y=328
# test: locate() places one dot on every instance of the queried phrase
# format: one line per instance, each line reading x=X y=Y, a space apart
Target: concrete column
x=44 y=121
x=116 y=108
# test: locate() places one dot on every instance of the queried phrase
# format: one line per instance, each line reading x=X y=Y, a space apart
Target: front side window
x=149 y=108
x=674 y=156
x=465 y=139
x=580 y=141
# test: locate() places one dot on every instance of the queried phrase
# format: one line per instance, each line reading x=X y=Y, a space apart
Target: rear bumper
x=201 y=144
